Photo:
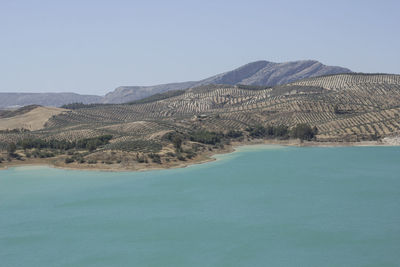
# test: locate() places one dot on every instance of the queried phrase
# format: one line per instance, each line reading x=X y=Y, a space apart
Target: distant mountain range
x=9 y=100
x=256 y=73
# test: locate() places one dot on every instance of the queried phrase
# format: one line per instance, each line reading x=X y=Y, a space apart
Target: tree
x=315 y=130
x=281 y=131
x=206 y=137
x=69 y=160
x=177 y=141
x=11 y=148
x=257 y=131
x=303 y=131
x=270 y=131
x=234 y=134
x=336 y=109
x=91 y=146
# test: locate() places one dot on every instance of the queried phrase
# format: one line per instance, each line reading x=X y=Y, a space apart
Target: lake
x=260 y=206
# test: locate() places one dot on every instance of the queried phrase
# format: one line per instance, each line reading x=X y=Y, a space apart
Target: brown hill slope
x=30 y=118
x=343 y=107
x=346 y=107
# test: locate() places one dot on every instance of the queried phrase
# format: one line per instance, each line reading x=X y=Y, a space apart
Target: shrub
x=45 y=154
x=190 y=154
x=141 y=159
x=11 y=148
x=170 y=154
x=181 y=157
x=155 y=158
x=17 y=156
x=69 y=160
x=234 y=134
x=336 y=109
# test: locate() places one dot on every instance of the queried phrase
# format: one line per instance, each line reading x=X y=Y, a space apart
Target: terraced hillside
x=344 y=107
x=341 y=106
x=261 y=72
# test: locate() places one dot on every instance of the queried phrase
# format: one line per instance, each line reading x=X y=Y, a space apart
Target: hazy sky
x=94 y=46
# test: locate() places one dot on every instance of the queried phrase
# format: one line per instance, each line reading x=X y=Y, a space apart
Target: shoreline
x=201 y=159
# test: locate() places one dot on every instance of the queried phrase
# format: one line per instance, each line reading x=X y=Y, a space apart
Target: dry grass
x=32 y=120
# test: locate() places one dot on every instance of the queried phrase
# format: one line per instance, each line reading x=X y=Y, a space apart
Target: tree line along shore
x=177 y=146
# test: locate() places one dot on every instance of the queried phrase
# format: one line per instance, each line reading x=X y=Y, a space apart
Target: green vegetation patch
x=3 y=146
x=206 y=137
x=81 y=105
x=252 y=87
x=158 y=97
x=303 y=131
x=259 y=131
x=90 y=144
x=136 y=145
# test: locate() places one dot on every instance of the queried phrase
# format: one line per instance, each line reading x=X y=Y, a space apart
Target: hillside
x=186 y=126
x=256 y=73
x=365 y=105
x=30 y=118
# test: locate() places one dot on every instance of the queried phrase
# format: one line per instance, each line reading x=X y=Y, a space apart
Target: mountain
x=185 y=125
x=263 y=73
x=256 y=73
x=124 y=94
x=270 y=74
x=9 y=100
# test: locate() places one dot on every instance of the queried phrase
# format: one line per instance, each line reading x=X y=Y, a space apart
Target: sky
x=94 y=46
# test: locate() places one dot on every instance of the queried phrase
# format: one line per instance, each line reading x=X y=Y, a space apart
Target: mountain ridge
x=11 y=100
x=262 y=72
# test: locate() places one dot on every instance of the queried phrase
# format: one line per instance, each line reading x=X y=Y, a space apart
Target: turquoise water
x=257 y=207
